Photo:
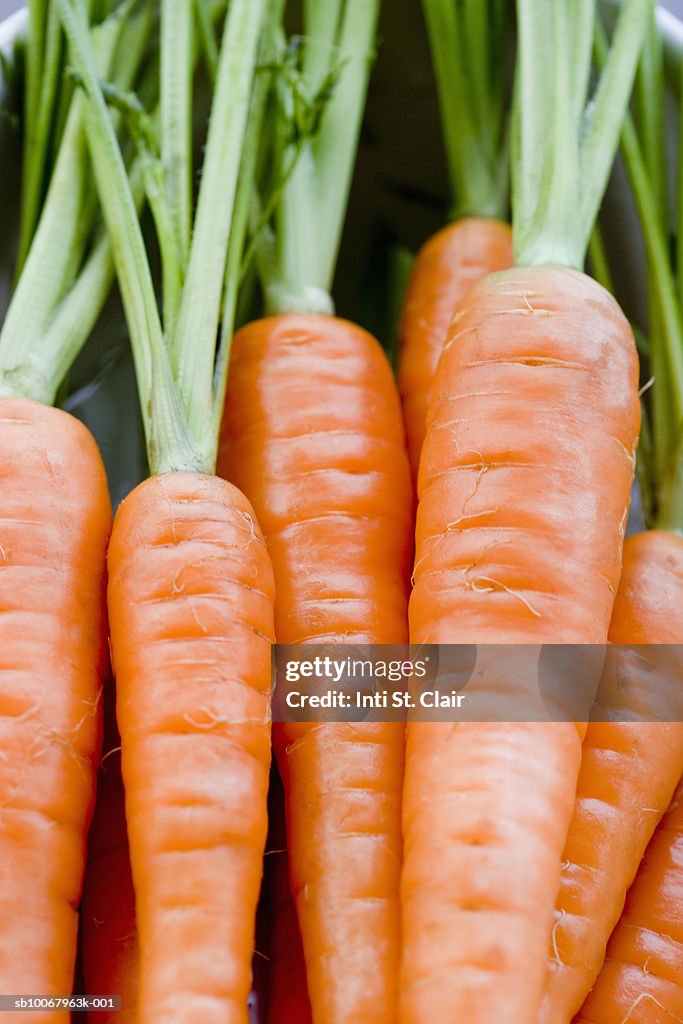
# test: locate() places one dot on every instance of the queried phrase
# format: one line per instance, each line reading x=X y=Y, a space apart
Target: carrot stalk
x=537 y=383
x=190 y=582
x=43 y=69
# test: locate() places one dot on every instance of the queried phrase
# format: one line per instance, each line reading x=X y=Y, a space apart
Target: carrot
x=54 y=524
x=444 y=270
x=190 y=583
x=523 y=494
x=313 y=434
x=629 y=771
x=287 y=996
x=312 y=395
x=462 y=37
x=55 y=518
x=642 y=979
x=641 y=763
x=109 y=946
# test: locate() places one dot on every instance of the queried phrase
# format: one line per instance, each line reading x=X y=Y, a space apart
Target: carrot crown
x=298 y=247
x=181 y=358
x=563 y=142
x=64 y=265
x=467 y=40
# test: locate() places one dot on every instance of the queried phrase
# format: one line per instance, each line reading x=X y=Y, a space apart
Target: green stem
x=666 y=328
x=144 y=134
x=237 y=262
x=662 y=282
x=38 y=138
x=36 y=31
x=196 y=329
x=558 y=187
x=176 y=120
x=679 y=191
x=322 y=21
x=603 y=120
x=465 y=41
x=313 y=203
x=207 y=37
x=169 y=444
x=62 y=235
x=597 y=254
x=649 y=116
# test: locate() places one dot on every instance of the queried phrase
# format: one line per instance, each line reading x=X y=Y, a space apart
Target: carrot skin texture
x=445 y=269
x=191 y=614
x=55 y=517
x=642 y=978
x=109 y=943
x=313 y=434
x=535 y=406
x=628 y=775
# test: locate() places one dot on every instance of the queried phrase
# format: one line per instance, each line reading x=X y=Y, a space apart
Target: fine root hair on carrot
x=214 y=720
x=641 y=999
x=496 y=585
x=114 y=750
x=556 y=952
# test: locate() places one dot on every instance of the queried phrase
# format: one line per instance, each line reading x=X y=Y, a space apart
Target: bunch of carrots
x=162 y=839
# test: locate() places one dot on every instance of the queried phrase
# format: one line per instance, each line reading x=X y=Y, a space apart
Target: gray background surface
x=7 y=6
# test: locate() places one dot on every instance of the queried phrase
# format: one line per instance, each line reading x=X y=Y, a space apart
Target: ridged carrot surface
x=313 y=435
x=642 y=978
x=523 y=495
x=191 y=614
x=109 y=943
x=55 y=517
x=628 y=775
x=445 y=268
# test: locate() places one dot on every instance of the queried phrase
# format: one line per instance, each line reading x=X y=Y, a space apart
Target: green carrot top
x=64 y=266
x=330 y=62
x=181 y=355
x=564 y=141
x=467 y=39
x=643 y=142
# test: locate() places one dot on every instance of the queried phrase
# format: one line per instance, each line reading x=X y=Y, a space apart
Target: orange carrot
x=642 y=979
x=509 y=551
x=190 y=604
x=109 y=946
x=55 y=516
x=523 y=490
x=445 y=269
x=313 y=434
x=190 y=583
x=311 y=399
x=628 y=774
